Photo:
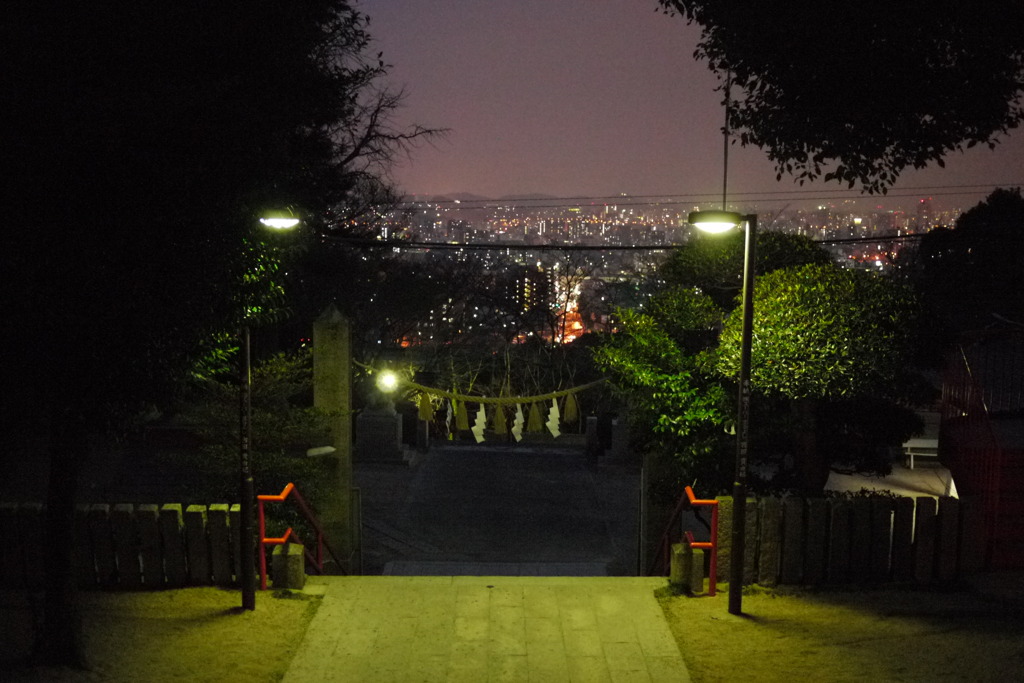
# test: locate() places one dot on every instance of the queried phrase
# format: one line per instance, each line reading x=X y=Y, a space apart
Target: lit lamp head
x=715 y=221
x=387 y=381
x=280 y=220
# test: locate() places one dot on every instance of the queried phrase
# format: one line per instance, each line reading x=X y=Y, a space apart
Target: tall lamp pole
x=714 y=222
x=246 y=487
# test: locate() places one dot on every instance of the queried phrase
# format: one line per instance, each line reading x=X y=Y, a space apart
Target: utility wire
x=672 y=199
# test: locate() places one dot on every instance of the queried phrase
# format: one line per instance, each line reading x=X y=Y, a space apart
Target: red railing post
x=317 y=560
x=713 y=543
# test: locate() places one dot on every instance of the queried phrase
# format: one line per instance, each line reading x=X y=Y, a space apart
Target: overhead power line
x=736 y=197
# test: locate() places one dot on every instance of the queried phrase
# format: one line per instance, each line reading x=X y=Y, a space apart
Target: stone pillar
x=593 y=441
x=619 y=451
x=332 y=394
x=686 y=568
x=379 y=434
x=288 y=566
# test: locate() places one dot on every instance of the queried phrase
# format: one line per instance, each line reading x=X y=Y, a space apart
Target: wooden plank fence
x=789 y=541
x=867 y=540
x=128 y=546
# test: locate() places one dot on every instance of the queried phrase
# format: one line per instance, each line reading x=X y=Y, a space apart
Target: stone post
x=288 y=565
x=332 y=393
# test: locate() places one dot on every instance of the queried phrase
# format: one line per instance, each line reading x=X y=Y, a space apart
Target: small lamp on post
x=716 y=222
x=246 y=487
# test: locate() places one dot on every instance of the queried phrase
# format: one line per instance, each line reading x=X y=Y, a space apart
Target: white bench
x=920 y=448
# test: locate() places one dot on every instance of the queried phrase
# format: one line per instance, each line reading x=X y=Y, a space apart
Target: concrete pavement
x=499 y=504
x=499 y=628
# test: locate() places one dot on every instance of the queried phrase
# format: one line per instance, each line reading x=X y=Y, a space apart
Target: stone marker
x=332 y=393
x=379 y=434
x=288 y=566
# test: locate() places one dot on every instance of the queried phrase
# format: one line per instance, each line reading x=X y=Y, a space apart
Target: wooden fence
x=856 y=540
x=128 y=546
x=789 y=541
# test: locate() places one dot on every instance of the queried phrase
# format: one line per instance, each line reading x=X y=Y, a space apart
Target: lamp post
x=715 y=222
x=246 y=487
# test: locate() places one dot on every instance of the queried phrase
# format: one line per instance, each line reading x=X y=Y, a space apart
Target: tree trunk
x=57 y=642
x=812 y=465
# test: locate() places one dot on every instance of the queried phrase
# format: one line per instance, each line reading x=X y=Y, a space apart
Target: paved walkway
x=477 y=629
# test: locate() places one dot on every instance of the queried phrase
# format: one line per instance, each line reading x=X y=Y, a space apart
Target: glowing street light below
x=278 y=220
x=718 y=222
x=279 y=223
x=715 y=221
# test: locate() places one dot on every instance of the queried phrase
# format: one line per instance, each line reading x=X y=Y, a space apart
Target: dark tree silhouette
x=146 y=140
x=714 y=263
x=858 y=92
x=973 y=275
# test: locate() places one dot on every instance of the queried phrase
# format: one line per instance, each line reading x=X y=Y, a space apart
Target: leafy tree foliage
x=823 y=331
x=973 y=276
x=662 y=358
x=675 y=405
x=834 y=345
x=829 y=362
x=858 y=92
x=284 y=426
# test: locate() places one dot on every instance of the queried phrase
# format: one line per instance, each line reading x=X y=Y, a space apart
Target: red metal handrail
x=661 y=562
x=666 y=537
x=317 y=559
x=713 y=543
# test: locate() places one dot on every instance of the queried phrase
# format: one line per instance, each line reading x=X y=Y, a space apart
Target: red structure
x=982 y=437
x=713 y=543
x=316 y=559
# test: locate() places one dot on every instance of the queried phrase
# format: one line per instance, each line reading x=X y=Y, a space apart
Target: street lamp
x=715 y=222
x=246 y=487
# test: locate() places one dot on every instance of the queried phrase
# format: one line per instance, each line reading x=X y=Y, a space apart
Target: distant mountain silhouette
x=477 y=199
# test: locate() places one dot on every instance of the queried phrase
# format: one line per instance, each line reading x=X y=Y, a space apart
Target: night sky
x=586 y=98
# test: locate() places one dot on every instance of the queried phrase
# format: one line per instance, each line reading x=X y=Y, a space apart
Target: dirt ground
x=895 y=634
x=857 y=635
x=189 y=634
